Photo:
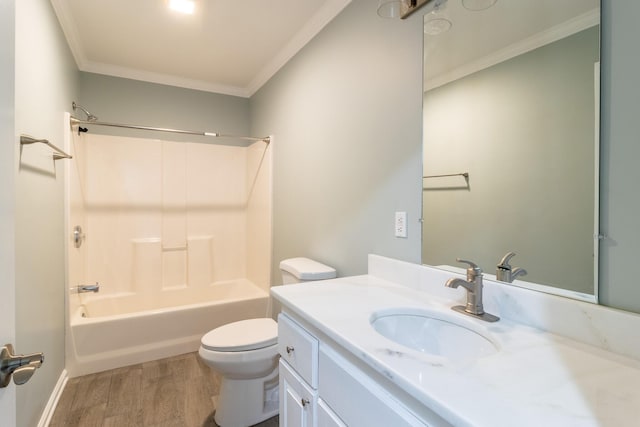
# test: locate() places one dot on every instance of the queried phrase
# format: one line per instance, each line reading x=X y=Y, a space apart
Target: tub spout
x=86 y=288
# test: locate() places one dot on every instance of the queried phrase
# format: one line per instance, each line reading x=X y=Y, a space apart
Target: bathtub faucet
x=86 y=288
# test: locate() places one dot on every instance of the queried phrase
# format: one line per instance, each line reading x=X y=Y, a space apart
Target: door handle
x=22 y=367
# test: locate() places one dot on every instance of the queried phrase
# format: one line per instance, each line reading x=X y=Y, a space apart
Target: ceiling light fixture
x=182 y=6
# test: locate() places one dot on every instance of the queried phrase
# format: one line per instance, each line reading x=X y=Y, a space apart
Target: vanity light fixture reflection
x=435 y=22
x=477 y=5
x=401 y=8
x=404 y=8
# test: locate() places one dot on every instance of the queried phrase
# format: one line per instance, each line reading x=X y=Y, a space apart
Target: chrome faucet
x=506 y=273
x=473 y=286
x=86 y=288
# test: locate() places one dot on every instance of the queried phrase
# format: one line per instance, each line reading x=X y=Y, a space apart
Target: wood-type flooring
x=180 y=391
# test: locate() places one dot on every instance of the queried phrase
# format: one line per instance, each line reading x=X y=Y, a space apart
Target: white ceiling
x=227 y=46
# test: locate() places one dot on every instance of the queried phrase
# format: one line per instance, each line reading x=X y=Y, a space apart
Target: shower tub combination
x=121 y=330
x=177 y=235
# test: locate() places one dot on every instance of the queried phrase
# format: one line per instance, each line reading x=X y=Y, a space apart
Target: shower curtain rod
x=76 y=121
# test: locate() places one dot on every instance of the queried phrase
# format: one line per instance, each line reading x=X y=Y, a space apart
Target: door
x=7 y=301
x=8 y=143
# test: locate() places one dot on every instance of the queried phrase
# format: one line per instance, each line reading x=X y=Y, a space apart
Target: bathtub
x=111 y=331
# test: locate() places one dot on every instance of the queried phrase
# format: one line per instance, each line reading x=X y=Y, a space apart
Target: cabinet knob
x=304 y=401
x=290 y=349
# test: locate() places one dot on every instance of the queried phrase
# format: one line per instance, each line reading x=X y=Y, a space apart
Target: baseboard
x=50 y=408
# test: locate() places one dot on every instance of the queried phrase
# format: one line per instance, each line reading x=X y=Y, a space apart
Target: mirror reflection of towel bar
x=465 y=174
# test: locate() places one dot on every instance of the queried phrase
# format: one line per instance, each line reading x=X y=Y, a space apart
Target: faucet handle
x=473 y=270
x=471 y=264
x=504 y=262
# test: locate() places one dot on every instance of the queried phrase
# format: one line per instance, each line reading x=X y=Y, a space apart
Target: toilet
x=245 y=354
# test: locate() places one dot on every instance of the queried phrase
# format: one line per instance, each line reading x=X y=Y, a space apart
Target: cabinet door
x=297 y=399
x=326 y=417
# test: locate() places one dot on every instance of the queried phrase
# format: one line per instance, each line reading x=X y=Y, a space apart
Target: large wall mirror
x=511 y=128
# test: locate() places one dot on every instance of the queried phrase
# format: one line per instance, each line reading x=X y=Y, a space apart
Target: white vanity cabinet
x=299 y=349
x=298 y=374
x=357 y=399
x=326 y=416
x=319 y=387
x=297 y=400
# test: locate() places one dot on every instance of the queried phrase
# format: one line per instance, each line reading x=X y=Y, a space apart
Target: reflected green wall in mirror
x=526 y=130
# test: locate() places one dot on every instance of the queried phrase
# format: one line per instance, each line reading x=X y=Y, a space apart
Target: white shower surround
x=175 y=231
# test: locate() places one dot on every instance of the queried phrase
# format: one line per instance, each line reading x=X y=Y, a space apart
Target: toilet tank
x=297 y=270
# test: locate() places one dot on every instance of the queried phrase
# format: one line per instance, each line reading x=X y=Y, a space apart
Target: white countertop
x=536 y=379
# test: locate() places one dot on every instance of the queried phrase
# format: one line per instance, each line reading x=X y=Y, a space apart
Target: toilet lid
x=244 y=335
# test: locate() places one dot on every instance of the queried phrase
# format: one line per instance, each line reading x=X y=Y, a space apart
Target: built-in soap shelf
x=173 y=267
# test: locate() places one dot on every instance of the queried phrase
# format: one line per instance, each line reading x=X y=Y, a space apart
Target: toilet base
x=243 y=403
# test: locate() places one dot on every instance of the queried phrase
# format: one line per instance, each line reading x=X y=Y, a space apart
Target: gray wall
x=620 y=174
x=524 y=129
x=346 y=116
x=46 y=83
x=119 y=100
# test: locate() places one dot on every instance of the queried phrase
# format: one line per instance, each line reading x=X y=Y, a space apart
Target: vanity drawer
x=298 y=348
x=358 y=400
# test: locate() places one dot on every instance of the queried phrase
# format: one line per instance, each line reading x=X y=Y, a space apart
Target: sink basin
x=434 y=332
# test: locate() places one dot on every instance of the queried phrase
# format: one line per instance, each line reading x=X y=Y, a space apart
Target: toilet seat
x=244 y=335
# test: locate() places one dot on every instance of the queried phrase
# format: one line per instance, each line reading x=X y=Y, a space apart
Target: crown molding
x=164 y=79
